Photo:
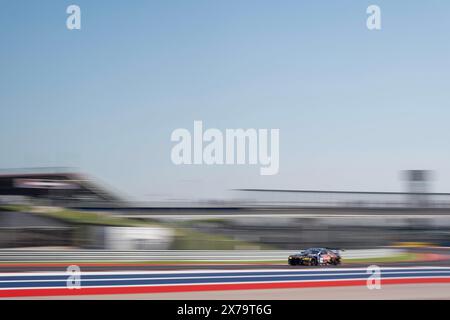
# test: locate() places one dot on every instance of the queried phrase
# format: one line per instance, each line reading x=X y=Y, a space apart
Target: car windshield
x=311 y=251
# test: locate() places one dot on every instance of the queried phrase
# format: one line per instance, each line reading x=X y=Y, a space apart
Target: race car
x=315 y=257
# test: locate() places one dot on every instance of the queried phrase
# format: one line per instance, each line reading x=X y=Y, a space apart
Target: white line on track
x=216 y=283
x=206 y=271
x=225 y=277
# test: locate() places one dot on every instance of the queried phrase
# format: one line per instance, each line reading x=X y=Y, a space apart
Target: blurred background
x=86 y=117
x=56 y=207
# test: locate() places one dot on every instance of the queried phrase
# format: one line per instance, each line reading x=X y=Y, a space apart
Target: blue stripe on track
x=105 y=280
x=209 y=274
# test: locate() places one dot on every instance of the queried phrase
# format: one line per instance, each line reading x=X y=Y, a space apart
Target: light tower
x=417 y=184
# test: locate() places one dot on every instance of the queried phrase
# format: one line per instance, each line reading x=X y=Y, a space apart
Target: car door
x=324 y=256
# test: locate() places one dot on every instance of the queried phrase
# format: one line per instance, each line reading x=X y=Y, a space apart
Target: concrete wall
x=19 y=229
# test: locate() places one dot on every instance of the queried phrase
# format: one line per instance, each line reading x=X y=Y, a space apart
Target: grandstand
x=54 y=186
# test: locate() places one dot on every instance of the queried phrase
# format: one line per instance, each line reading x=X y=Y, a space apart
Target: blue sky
x=354 y=107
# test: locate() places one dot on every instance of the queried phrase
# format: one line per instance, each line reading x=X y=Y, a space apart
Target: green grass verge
x=80 y=217
x=188 y=239
x=404 y=257
x=185 y=238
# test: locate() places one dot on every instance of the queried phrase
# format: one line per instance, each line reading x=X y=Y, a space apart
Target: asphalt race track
x=140 y=282
x=412 y=291
x=105 y=267
x=399 y=280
